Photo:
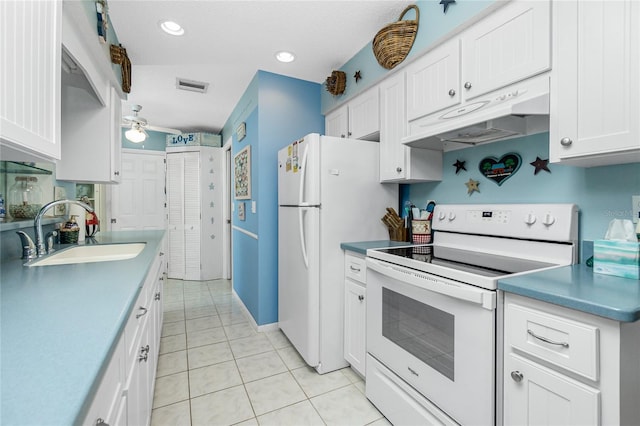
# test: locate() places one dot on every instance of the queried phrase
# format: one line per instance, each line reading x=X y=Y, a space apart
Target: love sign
x=500 y=169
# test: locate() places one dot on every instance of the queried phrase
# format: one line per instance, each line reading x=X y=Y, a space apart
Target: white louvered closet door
x=175 y=203
x=192 y=215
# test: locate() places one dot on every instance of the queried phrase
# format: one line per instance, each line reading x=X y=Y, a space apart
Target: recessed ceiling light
x=172 y=28
x=285 y=56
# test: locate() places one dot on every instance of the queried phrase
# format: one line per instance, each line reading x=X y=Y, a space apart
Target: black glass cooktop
x=476 y=262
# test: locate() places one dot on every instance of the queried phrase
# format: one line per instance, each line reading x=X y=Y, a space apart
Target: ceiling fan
x=137 y=124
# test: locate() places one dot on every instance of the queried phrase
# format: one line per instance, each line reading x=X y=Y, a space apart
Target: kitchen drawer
x=355 y=268
x=566 y=343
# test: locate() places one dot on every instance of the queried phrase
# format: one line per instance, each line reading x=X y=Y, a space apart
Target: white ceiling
x=226 y=42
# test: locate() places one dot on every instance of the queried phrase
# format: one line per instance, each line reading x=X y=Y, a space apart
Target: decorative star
x=472 y=185
x=211 y=186
x=459 y=165
x=446 y=3
x=540 y=164
x=357 y=76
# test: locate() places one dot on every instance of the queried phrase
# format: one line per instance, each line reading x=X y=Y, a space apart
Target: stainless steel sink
x=90 y=253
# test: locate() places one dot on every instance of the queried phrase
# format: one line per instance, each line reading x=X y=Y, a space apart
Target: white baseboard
x=265 y=328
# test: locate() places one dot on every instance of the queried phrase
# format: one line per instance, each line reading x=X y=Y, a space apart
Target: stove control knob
x=548 y=219
x=530 y=219
x=452 y=216
x=441 y=215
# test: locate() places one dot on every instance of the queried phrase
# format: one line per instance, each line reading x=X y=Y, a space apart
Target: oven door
x=438 y=335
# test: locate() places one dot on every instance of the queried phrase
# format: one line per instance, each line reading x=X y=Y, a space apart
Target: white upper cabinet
x=358 y=119
x=91 y=105
x=400 y=163
x=510 y=45
x=595 y=88
x=337 y=123
x=433 y=81
x=30 y=84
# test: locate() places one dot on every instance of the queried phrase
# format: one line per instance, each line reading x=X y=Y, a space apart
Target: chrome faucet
x=37 y=223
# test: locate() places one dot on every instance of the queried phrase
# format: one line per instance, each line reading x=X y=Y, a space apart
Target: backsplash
x=601 y=193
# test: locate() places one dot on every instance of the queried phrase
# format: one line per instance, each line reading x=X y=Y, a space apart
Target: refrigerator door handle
x=303 y=243
x=303 y=176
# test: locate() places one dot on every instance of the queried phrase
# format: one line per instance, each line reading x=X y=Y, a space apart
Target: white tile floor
x=215 y=369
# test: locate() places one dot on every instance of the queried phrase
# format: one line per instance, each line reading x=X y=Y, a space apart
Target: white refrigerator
x=328 y=193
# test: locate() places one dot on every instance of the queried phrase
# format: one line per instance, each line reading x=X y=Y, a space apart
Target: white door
x=535 y=395
x=227 y=251
x=299 y=279
x=511 y=44
x=138 y=202
x=192 y=228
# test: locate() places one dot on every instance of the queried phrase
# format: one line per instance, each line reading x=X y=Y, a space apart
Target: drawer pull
x=142 y=308
x=549 y=341
x=360 y=297
x=101 y=422
x=354 y=269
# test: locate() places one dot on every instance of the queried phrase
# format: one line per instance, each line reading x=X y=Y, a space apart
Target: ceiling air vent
x=192 y=85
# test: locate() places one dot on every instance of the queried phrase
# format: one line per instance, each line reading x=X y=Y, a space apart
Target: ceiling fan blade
x=163 y=129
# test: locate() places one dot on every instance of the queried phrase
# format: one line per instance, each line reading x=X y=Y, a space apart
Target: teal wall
x=276 y=110
x=601 y=193
x=433 y=25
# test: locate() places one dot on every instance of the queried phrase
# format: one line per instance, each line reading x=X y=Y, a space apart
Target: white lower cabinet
x=355 y=319
x=125 y=394
x=566 y=367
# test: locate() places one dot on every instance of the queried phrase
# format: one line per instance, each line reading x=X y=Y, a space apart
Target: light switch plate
x=635 y=207
x=253 y=206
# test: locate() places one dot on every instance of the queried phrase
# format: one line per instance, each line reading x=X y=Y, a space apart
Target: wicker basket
x=336 y=83
x=119 y=56
x=393 y=42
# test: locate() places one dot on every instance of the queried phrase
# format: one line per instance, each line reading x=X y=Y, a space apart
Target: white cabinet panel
x=30 y=85
x=595 y=89
x=535 y=395
x=399 y=163
x=511 y=44
x=358 y=119
x=337 y=123
x=433 y=81
x=355 y=325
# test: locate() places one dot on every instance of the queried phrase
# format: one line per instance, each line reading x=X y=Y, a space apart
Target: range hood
x=511 y=112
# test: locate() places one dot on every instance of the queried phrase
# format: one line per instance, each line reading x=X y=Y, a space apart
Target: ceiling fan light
x=172 y=28
x=284 y=56
x=135 y=135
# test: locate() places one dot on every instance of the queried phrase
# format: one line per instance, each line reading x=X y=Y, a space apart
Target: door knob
x=517 y=376
x=566 y=142
x=452 y=93
x=467 y=85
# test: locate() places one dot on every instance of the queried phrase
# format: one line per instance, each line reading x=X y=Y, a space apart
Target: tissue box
x=619 y=258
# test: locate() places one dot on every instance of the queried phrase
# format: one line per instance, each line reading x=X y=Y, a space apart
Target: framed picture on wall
x=242 y=173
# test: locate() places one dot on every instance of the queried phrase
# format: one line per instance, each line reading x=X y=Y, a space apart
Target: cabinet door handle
x=566 y=141
x=157 y=296
x=360 y=297
x=144 y=349
x=549 y=341
x=116 y=173
x=144 y=312
x=354 y=269
x=452 y=93
x=143 y=358
x=517 y=376
x=467 y=85
x=399 y=169
x=101 y=422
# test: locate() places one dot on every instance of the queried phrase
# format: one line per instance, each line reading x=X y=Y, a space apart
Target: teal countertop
x=577 y=287
x=362 y=246
x=59 y=324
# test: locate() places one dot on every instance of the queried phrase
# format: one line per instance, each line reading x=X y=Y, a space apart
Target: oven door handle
x=485 y=298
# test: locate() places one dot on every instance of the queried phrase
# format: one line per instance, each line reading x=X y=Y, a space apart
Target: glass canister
x=25 y=198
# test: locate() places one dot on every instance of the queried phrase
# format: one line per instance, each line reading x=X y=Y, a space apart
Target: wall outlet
x=635 y=207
